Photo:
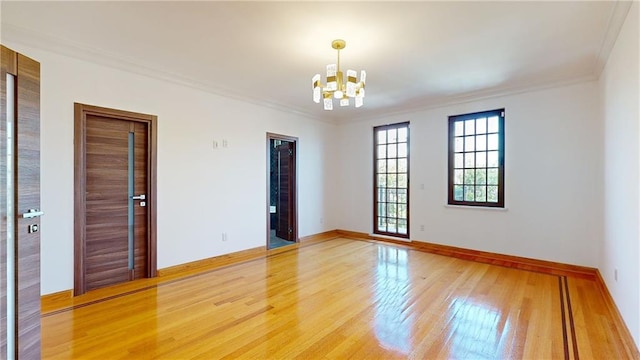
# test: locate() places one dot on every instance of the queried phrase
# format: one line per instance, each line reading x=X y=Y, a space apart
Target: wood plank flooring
x=342 y=299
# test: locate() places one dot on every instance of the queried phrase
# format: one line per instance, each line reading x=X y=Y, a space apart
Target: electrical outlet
x=421 y=227
x=615 y=274
x=225 y=143
x=215 y=144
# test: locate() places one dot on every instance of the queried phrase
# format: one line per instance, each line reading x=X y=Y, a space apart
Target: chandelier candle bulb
x=358 y=101
x=328 y=104
x=351 y=83
x=317 y=91
x=332 y=79
x=336 y=86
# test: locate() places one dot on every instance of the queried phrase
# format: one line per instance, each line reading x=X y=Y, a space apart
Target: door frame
x=81 y=111
x=294 y=193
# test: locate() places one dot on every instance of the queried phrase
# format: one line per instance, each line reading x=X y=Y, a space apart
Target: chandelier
x=336 y=87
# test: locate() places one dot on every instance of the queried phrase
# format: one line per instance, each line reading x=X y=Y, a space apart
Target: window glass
x=476 y=159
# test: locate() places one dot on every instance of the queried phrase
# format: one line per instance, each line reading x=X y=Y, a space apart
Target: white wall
x=553 y=162
x=560 y=202
x=621 y=245
x=202 y=192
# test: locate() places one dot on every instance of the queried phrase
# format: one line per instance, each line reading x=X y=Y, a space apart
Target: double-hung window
x=476 y=159
x=391 y=180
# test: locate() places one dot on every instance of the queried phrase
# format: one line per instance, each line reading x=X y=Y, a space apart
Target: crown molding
x=616 y=21
x=479 y=96
x=94 y=55
x=98 y=56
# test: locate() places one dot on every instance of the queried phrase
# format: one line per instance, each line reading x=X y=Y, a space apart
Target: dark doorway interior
x=282 y=191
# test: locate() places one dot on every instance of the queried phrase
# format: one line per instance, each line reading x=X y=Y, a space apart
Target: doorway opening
x=282 y=206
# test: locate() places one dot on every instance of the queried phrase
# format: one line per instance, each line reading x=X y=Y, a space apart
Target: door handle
x=32 y=213
x=139 y=197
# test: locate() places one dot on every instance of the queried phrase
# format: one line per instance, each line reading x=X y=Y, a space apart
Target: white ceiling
x=416 y=54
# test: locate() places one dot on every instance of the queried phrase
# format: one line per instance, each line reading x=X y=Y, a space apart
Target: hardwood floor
x=341 y=299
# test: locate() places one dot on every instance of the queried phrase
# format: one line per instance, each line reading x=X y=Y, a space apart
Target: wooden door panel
x=26 y=179
x=282 y=207
x=106 y=239
x=28 y=190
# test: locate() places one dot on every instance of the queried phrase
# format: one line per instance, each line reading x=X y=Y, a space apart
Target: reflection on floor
x=342 y=299
x=276 y=242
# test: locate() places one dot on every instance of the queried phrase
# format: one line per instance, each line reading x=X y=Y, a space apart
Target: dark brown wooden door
x=20 y=206
x=113 y=220
x=107 y=250
x=284 y=217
